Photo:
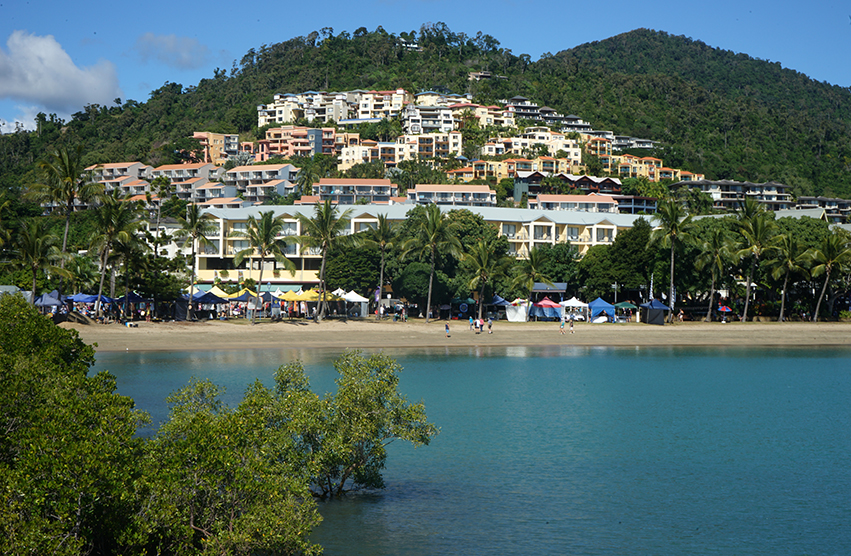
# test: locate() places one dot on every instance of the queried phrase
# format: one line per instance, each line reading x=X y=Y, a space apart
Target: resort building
x=217 y=147
x=523 y=228
x=259 y=174
x=729 y=195
x=346 y=191
x=177 y=173
x=454 y=195
x=582 y=203
x=418 y=119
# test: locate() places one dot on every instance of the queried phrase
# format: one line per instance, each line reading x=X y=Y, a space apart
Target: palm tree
x=162 y=187
x=486 y=266
x=381 y=236
x=34 y=249
x=715 y=253
x=84 y=273
x=116 y=221
x=321 y=232
x=193 y=230
x=307 y=176
x=758 y=233
x=263 y=237
x=64 y=182
x=791 y=256
x=675 y=227
x=530 y=270
x=833 y=254
x=436 y=234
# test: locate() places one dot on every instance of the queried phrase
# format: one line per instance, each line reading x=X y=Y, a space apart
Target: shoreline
x=371 y=334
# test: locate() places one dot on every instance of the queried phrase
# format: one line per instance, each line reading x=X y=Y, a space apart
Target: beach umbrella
x=724 y=309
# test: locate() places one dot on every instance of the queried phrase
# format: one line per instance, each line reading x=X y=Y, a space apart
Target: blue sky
x=56 y=57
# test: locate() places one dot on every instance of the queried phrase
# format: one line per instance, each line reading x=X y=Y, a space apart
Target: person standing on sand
x=561 y=327
x=571 y=325
x=446 y=329
x=471 y=322
x=490 y=326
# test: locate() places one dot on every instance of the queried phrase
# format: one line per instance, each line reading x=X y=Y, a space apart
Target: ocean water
x=582 y=450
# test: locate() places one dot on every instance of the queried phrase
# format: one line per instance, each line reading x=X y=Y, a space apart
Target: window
x=509 y=230
x=572 y=233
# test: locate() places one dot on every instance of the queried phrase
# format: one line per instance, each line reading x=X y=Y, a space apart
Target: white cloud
x=25 y=119
x=178 y=52
x=37 y=70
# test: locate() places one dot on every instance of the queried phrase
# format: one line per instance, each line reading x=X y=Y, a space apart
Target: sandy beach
x=369 y=334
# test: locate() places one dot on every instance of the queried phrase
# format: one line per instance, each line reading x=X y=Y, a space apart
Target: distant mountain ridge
x=726 y=115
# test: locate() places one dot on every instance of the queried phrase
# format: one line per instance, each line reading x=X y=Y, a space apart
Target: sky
x=58 y=56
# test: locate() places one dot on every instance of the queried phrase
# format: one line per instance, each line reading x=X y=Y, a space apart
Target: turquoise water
x=569 y=450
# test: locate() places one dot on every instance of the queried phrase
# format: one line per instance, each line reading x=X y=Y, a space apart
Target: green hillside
x=723 y=114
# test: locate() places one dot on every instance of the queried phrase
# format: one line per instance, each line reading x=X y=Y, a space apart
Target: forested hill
x=723 y=114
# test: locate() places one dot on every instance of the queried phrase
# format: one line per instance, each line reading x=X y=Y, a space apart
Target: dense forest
x=716 y=112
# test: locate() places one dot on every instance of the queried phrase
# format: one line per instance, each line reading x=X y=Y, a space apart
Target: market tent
x=517 y=311
x=207 y=298
x=92 y=298
x=131 y=297
x=653 y=312
x=290 y=296
x=500 y=302
x=625 y=305
x=48 y=300
x=546 y=308
x=242 y=295
x=363 y=303
x=217 y=291
x=600 y=306
x=573 y=302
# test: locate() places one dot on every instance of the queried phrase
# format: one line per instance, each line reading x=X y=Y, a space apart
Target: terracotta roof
x=182 y=166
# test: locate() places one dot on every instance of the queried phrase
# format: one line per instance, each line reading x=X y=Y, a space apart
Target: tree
x=531 y=270
x=64 y=181
x=674 y=229
x=35 y=250
x=263 y=237
x=434 y=235
x=213 y=481
x=346 y=449
x=833 y=254
x=161 y=185
x=790 y=260
x=307 y=176
x=69 y=451
x=382 y=237
x=715 y=253
x=194 y=228
x=321 y=232
x=116 y=220
x=757 y=230
x=486 y=265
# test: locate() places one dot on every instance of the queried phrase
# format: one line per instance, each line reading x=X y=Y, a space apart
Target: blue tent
x=206 y=298
x=497 y=300
x=599 y=306
x=48 y=300
x=89 y=298
x=131 y=297
x=244 y=297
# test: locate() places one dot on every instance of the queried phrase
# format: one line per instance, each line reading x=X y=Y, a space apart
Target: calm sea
x=569 y=450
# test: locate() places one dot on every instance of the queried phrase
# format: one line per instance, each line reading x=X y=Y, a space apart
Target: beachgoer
x=446 y=329
x=680 y=316
x=490 y=326
x=571 y=326
x=471 y=322
x=561 y=327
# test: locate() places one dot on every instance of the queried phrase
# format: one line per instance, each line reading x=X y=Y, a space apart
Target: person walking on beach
x=490 y=325
x=446 y=329
x=571 y=324
x=561 y=327
x=471 y=322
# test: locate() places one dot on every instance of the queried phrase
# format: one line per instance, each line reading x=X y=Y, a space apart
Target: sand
x=369 y=334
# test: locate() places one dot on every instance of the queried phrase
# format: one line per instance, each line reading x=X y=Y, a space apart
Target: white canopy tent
x=355 y=298
x=575 y=306
x=518 y=311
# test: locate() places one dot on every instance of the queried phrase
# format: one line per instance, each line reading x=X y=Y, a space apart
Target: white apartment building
x=244 y=176
x=454 y=195
x=346 y=191
x=581 y=203
x=418 y=119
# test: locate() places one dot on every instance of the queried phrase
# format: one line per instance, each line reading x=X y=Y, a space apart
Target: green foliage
x=68 y=456
x=353 y=269
x=412 y=283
